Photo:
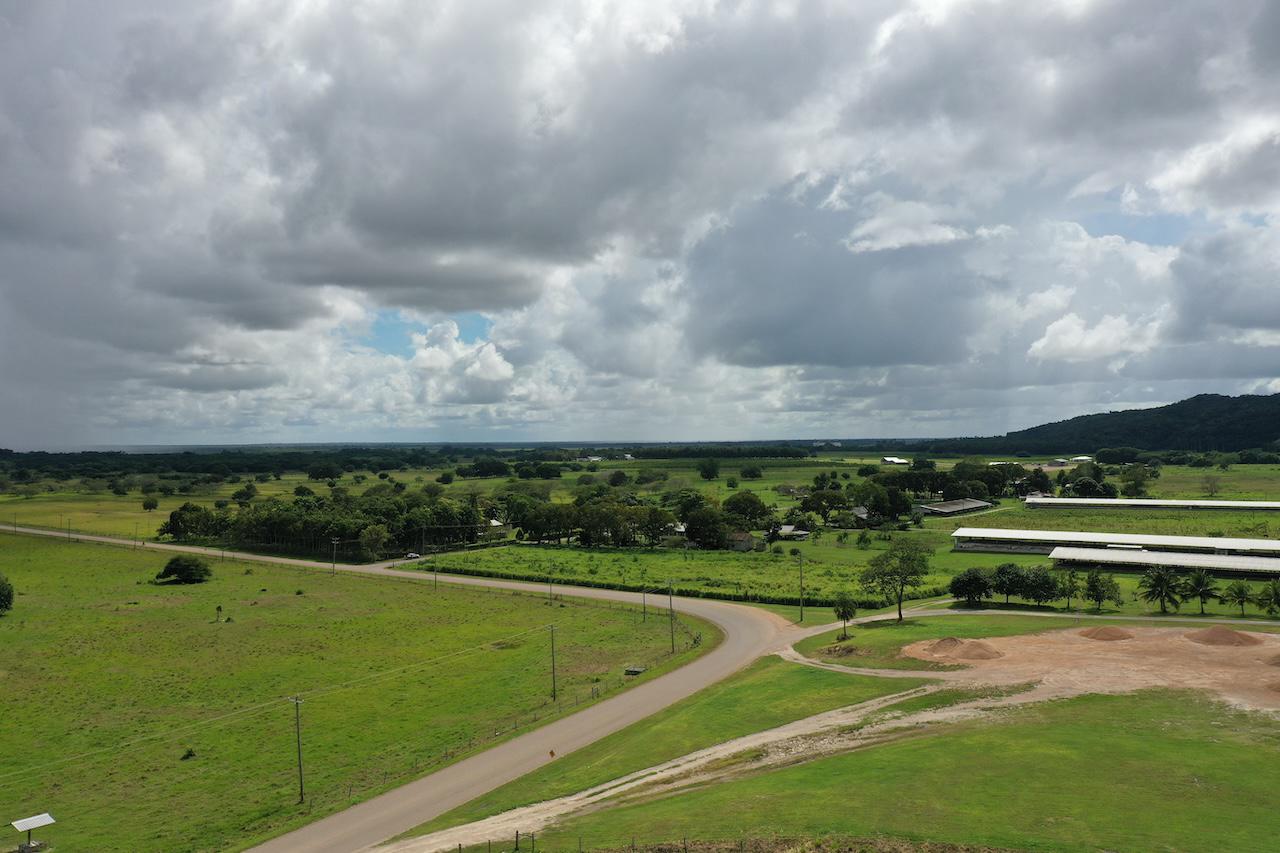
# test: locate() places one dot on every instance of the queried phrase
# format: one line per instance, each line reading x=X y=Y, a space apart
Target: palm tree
x=1269 y=596
x=1161 y=586
x=845 y=608
x=1200 y=584
x=1237 y=592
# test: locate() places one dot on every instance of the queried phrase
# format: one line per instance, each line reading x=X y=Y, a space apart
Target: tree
x=245 y=493
x=618 y=478
x=1211 y=483
x=973 y=585
x=1238 y=593
x=892 y=572
x=301 y=491
x=1069 y=585
x=845 y=608
x=824 y=502
x=1159 y=585
x=732 y=482
x=749 y=507
x=1039 y=586
x=1199 y=584
x=709 y=468
x=706 y=528
x=445 y=478
x=655 y=523
x=1009 y=579
x=1100 y=589
x=6 y=595
x=373 y=539
x=150 y=504
x=1269 y=596
x=1134 y=479
x=751 y=472
x=185 y=569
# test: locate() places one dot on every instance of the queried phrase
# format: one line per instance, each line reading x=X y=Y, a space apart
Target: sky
x=278 y=221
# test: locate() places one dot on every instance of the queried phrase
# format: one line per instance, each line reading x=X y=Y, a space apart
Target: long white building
x=1149 y=503
x=1000 y=540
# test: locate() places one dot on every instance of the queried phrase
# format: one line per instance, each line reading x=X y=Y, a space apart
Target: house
x=741 y=540
x=894 y=460
x=790 y=531
x=1081 y=458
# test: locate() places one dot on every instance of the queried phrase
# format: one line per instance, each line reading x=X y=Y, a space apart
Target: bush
x=185 y=569
x=6 y=595
x=973 y=585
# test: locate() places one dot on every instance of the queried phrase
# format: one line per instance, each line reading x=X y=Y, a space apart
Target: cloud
x=1070 y=338
x=678 y=218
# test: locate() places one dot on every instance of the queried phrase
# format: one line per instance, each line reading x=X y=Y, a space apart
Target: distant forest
x=1205 y=423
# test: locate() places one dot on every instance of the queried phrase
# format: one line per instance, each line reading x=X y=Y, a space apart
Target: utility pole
x=333 y=570
x=553 y=663
x=671 y=615
x=135 y=536
x=297 y=728
x=644 y=606
x=802 y=587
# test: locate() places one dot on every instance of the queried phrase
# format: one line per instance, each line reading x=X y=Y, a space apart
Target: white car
x=412 y=556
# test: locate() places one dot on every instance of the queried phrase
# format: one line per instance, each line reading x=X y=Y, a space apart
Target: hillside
x=1201 y=423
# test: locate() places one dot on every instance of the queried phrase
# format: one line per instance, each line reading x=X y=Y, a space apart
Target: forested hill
x=1203 y=423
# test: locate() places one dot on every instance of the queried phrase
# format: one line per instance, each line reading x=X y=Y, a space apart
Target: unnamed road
x=749 y=632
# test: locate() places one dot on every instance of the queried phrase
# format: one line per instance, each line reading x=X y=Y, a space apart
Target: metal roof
x=1169 y=559
x=1150 y=503
x=29 y=823
x=1074 y=537
x=957 y=505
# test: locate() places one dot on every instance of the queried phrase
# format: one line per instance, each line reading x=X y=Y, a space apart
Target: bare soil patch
x=1219 y=635
x=1237 y=666
x=1107 y=634
x=953 y=648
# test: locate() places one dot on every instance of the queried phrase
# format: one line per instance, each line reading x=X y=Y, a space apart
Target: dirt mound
x=1222 y=636
x=957 y=649
x=1275 y=661
x=1106 y=634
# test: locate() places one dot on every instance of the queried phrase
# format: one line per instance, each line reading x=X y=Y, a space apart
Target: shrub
x=6 y=595
x=185 y=569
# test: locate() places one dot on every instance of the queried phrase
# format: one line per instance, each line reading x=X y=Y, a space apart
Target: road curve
x=749 y=632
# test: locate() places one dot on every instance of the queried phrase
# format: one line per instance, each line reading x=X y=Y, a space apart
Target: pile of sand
x=957 y=649
x=1222 y=636
x=1107 y=634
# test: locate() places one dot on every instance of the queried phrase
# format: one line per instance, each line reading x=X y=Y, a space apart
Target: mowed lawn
x=766 y=694
x=143 y=723
x=1148 y=771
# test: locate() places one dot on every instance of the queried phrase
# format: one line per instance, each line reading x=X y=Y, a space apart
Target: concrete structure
x=1148 y=503
x=955 y=507
x=894 y=460
x=1223 y=564
x=999 y=540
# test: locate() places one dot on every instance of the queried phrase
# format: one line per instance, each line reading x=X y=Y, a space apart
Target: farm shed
x=1000 y=540
x=1148 y=503
x=956 y=507
x=1227 y=564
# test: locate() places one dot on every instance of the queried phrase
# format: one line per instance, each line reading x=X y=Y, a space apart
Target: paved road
x=749 y=632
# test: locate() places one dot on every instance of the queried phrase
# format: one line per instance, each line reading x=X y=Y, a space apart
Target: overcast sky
x=297 y=221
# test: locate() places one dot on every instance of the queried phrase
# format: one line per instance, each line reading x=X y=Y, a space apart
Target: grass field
x=768 y=693
x=1148 y=771
x=109 y=680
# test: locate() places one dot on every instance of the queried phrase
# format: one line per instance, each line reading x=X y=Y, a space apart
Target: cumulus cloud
x=679 y=218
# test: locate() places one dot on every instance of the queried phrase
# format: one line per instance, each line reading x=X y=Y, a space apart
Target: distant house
x=790 y=531
x=956 y=507
x=894 y=460
x=860 y=513
x=628 y=457
x=1081 y=458
x=741 y=540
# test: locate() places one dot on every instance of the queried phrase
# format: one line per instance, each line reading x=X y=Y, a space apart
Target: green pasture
x=766 y=694
x=1150 y=771
x=145 y=719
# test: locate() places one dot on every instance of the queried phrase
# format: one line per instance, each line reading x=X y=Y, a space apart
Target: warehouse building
x=956 y=507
